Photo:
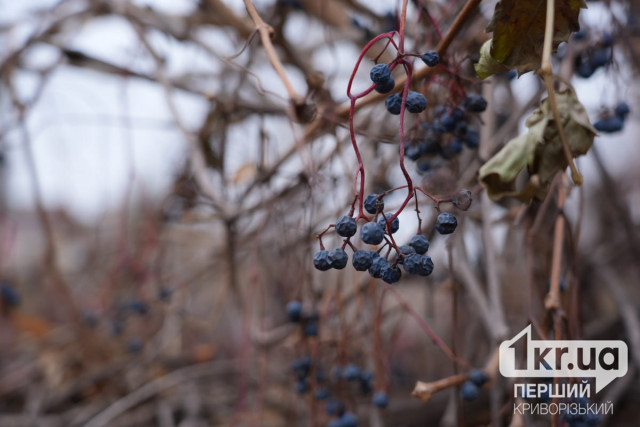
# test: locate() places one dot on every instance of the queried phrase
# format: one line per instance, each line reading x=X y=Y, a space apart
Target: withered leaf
x=539 y=149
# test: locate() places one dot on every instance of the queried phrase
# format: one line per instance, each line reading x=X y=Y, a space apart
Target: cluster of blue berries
x=412 y=257
x=471 y=389
x=611 y=123
x=594 y=58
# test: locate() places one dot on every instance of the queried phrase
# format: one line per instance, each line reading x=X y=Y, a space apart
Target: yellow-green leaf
x=488 y=66
x=539 y=150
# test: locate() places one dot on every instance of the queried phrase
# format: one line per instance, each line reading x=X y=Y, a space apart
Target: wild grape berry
x=470 y=391
x=478 y=377
x=322 y=393
x=372 y=203
x=413 y=152
x=378 y=266
x=425 y=265
x=391 y=275
x=407 y=250
x=351 y=372
x=381 y=400
x=385 y=86
x=302 y=386
x=335 y=407
x=431 y=147
x=294 y=311
x=411 y=263
x=462 y=200
x=599 y=58
x=475 y=103
x=423 y=166
x=321 y=260
x=380 y=73
x=622 y=110
x=393 y=104
x=446 y=223
x=395 y=224
x=362 y=259
x=419 y=243
x=338 y=258
x=471 y=139
x=609 y=125
x=452 y=149
x=348 y=420
x=346 y=226
x=431 y=58
x=301 y=366
x=8 y=294
x=372 y=233
x=416 y=102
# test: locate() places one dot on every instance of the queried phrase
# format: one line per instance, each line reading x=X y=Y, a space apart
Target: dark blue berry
x=579 y=35
x=475 y=103
x=471 y=139
x=423 y=166
x=393 y=104
x=386 y=86
x=446 y=223
x=302 y=386
x=365 y=387
x=301 y=366
x=391 y=275
x=346 y=226
x=609 y=125
x=322 y=393
x=478 y=377
x=311 y=329
x=407 y=250
x=372 y=203
x=372 y=233
x=380 y=73
x=321 y=260
x=585 y=70
x=416 y=102
x=351 y=372
x=8 y=294
x=448 y=123
x=395 y=224
x=431 y=147
x=377 y=268
x=381 y=399
x=425 y=266
x=470 y=391
x=362 y=259
x=599 y=58
x=431 y=58
x=607 y=40
x=452 y=149
x=457 y=115
x=622 y=110
x=412 y=263
x=294 y=311
x=413 y=152
x=338 y=258
x=419 y=243
x=348 y=420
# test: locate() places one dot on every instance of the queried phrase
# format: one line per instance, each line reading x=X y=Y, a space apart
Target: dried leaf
x=488 y=66
x=518 y=32
x=540 y=150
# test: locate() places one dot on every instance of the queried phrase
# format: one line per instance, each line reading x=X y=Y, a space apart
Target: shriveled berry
x=362 y=259
x=391 y=275
x=393 y=104
x=372 y=204
x=407 y=250
x=381 y=400
x=372 y=233
x=416 y=102
x=412 y=263
x=378 y=266
x=395 y=224
x=446 y=223
x=425 y=266
x=338 y=258
x=462 y=200
x=431 y=58
x=478 y=377
x=475 y=103
x=346 y=226
x=294 y=311
x=380 y=73
x=470 y=391
x=419 y=243
x=385 y=86
x=321 y=260
x=413 y=151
